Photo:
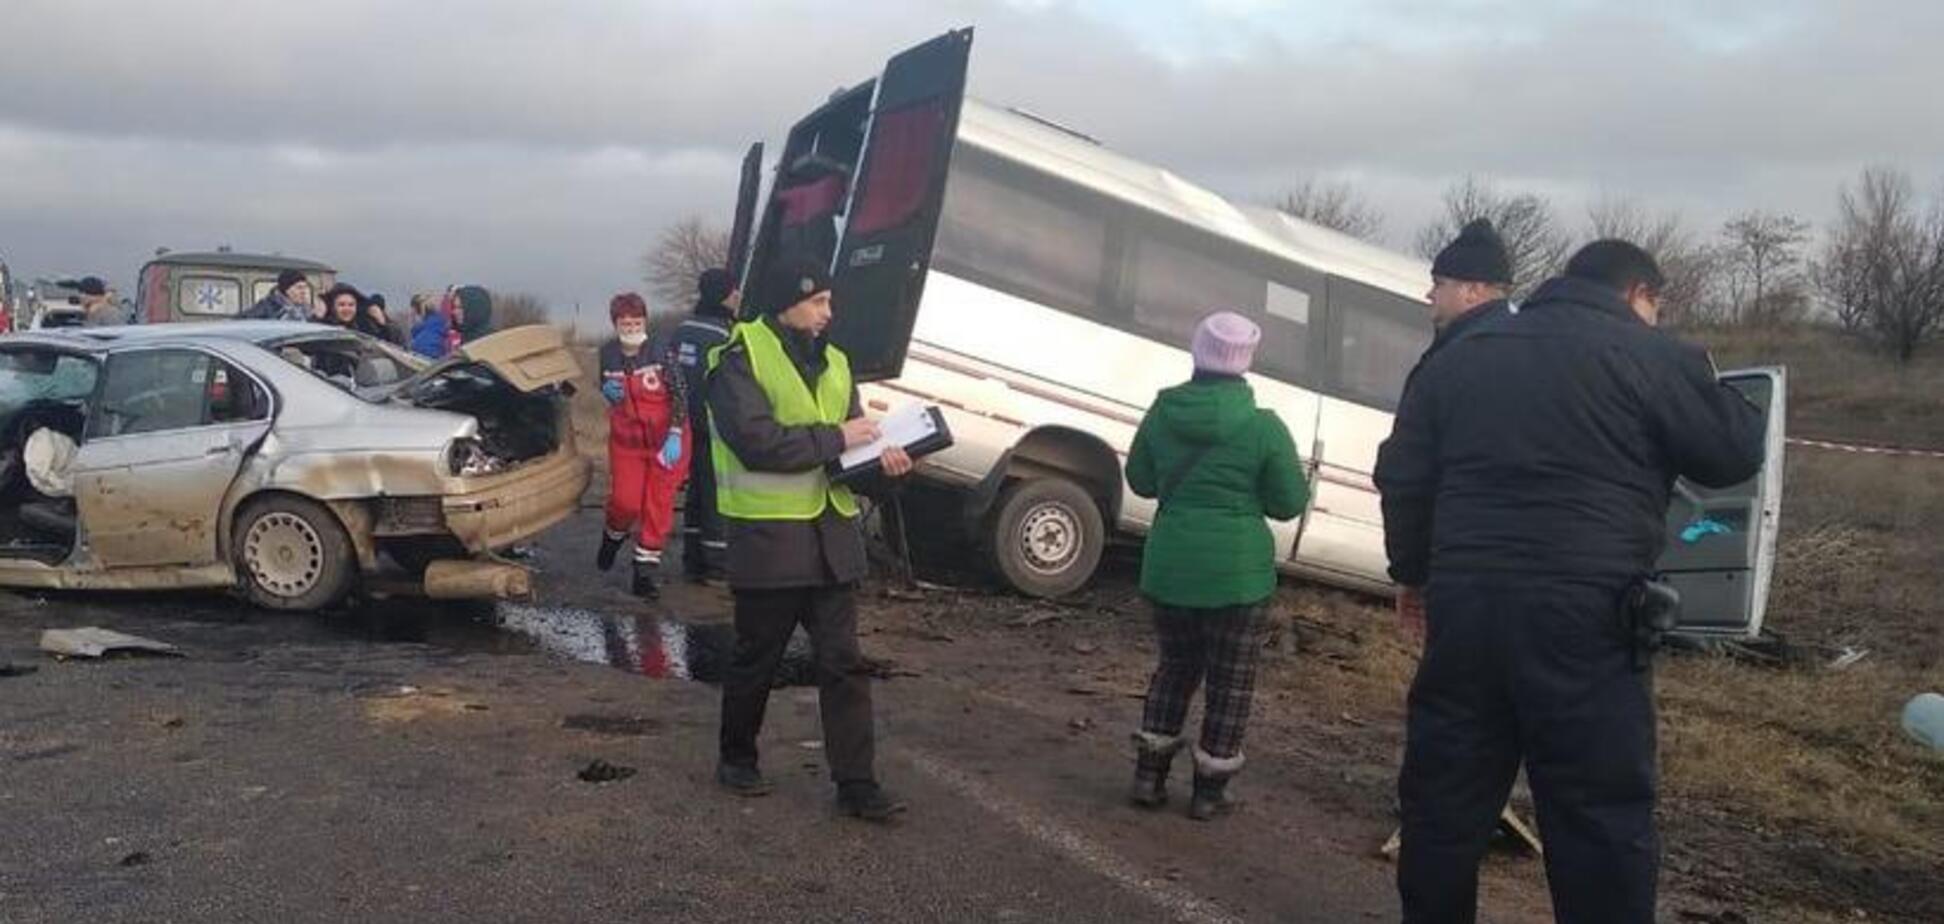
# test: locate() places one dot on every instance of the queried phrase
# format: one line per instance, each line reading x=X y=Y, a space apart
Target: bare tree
x=1883 y=265
x=683 y=251
x=1763 y=271
x=1690 y=266
x=1334 y=205
x=1534 y=242
x=514 y=309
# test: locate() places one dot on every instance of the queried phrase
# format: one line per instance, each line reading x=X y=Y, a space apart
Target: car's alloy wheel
x=291 y=553
x=284 y=554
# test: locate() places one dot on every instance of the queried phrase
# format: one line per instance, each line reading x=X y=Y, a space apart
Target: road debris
x=1082 y=646
x=1034 y=618
x=95 y=642
x=1511 y=826
x=619 y=726
x=10 y=669
x=600 y=771
x=1848 y=657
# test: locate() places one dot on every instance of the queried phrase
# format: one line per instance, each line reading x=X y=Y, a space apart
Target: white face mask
x=634 y=340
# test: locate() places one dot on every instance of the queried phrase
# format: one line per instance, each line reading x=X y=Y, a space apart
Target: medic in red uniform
x=648 y=450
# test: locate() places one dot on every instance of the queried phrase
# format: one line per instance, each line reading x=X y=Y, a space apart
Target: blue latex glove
x=671 y=451
x=612 y=390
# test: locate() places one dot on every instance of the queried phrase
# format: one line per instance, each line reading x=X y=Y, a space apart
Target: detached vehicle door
x=168 y=432
x=895 y=203
x=1720 y=550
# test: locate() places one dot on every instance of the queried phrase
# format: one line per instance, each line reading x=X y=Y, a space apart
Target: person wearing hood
x=1218 y=465
x=648 y=452
x=472 y=315
x=1524 y=489
x=707 y=327
x=291 y=300
x=785 y=407
x=346 y=307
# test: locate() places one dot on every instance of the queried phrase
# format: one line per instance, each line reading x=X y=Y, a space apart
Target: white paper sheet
x=902 y=427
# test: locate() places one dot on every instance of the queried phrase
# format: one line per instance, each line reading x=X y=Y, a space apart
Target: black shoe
x=868 y=801
x=610 y=547
x=644 y=583
x=743 y=780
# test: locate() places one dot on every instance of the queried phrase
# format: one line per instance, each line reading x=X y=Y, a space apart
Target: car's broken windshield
x=29 y=376
x=363 y=366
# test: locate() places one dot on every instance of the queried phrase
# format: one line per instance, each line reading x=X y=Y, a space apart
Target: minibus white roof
x=1039 y=145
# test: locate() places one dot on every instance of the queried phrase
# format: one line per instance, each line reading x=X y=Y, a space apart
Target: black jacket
x=699 y=333
x=776 y=554
x=1547 y=441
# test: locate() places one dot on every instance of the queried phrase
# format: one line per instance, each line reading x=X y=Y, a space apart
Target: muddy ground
x=406 y=762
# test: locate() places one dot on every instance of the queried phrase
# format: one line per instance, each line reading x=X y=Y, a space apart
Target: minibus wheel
x=1046 y=537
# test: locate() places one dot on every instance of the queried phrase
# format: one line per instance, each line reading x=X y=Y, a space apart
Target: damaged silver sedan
x=283 y=459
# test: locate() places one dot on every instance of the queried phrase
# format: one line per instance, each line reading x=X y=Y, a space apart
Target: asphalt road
x=404 y=763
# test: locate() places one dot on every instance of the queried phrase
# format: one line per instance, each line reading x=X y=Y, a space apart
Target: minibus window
x=1379 y=338
x=1174 y=288
x=998 y=235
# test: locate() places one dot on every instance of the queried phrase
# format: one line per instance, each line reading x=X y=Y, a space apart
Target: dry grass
x=1840 y=388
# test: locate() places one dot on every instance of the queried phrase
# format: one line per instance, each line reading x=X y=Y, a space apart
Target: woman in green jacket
x=1219 y=466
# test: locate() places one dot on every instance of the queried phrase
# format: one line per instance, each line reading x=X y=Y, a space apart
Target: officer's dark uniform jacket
x=704 y=330
x=1548 y=440
x=775 y=554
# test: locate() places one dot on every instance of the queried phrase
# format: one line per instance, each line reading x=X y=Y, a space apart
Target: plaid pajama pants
x=1220 y=646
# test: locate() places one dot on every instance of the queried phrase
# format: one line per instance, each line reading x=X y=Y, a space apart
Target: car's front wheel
x=293 y=554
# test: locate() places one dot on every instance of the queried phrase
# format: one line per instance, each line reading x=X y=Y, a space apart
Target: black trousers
x=764 y=622
x=1538 y=669
x=703 y=536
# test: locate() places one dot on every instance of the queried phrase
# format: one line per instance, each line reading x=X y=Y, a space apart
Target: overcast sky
x=540 y=146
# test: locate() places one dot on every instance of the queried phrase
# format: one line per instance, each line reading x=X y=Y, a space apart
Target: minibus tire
x=1046 y=537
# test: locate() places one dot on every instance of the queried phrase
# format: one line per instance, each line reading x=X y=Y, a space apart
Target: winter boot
x=1212 y=775
x=610 y=547
x=1153 y=755
x=869 y=801
x=646 y=563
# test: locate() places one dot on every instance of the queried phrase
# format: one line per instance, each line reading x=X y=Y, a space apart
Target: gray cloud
x=541 y=146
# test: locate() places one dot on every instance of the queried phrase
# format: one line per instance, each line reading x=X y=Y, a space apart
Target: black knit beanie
x=791 y=281
x=288 y=278
x=712 y=288
x=1478 y=255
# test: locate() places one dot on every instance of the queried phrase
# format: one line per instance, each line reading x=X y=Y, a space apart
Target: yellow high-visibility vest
x=749 y=495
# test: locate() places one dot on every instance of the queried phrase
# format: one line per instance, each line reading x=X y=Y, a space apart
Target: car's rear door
x=1720 y=549
x=895 y=202
x=169 y=430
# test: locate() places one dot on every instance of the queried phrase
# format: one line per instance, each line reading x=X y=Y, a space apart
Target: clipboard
x=918 y=429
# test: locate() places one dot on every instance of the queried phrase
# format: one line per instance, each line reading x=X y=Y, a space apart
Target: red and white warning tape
x=1868 y=450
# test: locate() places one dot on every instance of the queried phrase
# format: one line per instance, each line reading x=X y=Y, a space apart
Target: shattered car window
x=360 y=365
x=29 y=376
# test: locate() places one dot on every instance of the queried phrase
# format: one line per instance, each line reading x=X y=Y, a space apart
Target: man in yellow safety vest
x=782 y=407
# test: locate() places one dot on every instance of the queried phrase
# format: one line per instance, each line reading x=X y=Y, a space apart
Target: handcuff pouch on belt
x=1649 y=609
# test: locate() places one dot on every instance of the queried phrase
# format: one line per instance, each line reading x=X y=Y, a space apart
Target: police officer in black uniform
x=716 y=304
x=1525 y=487
x=1469 y=281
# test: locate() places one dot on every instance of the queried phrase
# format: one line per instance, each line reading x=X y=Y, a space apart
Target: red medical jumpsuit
x=642 y=489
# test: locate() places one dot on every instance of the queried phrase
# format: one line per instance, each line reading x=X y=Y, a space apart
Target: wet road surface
x=406 y=761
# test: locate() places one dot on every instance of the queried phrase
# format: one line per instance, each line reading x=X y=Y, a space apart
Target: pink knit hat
x=1225 y=343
